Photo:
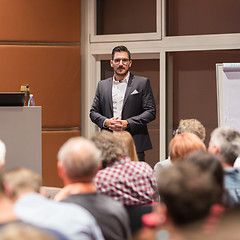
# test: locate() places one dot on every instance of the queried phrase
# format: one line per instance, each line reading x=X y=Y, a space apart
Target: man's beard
x=122 y=73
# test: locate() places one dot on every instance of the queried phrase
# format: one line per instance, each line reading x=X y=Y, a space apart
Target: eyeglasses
x=117 y=61
x=175 y=132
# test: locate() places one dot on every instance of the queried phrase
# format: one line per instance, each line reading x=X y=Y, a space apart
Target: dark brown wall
x=186 y=17
x=133 y=16
x=194 y=86
x=40 y=45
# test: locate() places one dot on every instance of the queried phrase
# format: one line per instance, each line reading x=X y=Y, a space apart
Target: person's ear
x=215 y=149
x=42 y=192
x=7 y=190
x=111 y=63
x=130 y=63
x=161 y=210
x=3 y=165
x=61 y=172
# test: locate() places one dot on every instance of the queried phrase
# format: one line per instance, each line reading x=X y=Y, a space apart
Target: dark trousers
x=141 y=156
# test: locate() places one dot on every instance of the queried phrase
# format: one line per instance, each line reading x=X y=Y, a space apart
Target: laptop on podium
x=12 y=99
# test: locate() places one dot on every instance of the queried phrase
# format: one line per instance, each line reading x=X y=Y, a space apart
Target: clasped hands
x=116 y=125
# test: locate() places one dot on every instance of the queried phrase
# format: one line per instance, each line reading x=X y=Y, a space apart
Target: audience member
x=179 y=148
x=20 y=231
x=22 y=186
x=6 y=207
x=225 y=144
x=187 y=195
x=126 y=137
x=132 y=183
x=192 y=126
x=183 y=144
x=208 y=162
x=78 y=162
x=2 y=154
x=185 y=126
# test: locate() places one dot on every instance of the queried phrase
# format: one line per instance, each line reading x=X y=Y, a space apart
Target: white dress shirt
x=118 y=93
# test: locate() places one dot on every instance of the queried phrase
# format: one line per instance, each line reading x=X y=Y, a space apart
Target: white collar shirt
x=118 y=93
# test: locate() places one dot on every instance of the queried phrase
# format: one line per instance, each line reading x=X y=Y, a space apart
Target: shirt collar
x=125 y=80
x=122 y=161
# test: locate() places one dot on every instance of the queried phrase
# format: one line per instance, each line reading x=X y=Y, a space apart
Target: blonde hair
x=21 y=179
x=127 y=139
x=23 y=231
x=183 y=144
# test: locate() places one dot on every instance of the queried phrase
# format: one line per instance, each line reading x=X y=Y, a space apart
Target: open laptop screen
x=12 y=98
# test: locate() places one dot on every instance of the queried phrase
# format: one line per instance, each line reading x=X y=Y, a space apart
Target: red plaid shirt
x=132 y=183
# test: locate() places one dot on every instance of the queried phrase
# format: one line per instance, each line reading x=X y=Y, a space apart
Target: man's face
x=121 y=63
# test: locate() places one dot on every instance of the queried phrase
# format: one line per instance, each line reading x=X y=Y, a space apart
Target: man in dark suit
x=125 y=102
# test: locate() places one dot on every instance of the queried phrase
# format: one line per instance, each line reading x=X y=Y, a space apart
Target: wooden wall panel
x=40 y=21
x=52 y=141
x=40 y=45
x=53 y=73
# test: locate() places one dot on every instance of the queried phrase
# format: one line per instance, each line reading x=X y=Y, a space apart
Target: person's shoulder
x=141 y=165
x=108 y=200
x=101 y=174
x=111 y=205
x=139 y=78
x=105 y=80
x=163 y=164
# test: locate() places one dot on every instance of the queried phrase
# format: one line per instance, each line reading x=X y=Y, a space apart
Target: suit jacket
x=138 y=108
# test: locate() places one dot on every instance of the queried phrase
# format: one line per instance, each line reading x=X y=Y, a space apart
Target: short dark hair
x=121 y=49
x=208 y=163
x=187 y=192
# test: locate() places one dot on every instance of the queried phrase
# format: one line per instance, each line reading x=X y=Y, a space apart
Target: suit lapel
x=109 y=94
x=129 y=87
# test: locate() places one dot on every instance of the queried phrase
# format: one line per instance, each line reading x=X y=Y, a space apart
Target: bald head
x=79 y=158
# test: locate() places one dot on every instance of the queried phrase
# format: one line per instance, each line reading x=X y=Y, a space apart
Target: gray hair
x=112 y=149
x=2 y=154
x=192 y=126
x=80 y=158
x=228 y=142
